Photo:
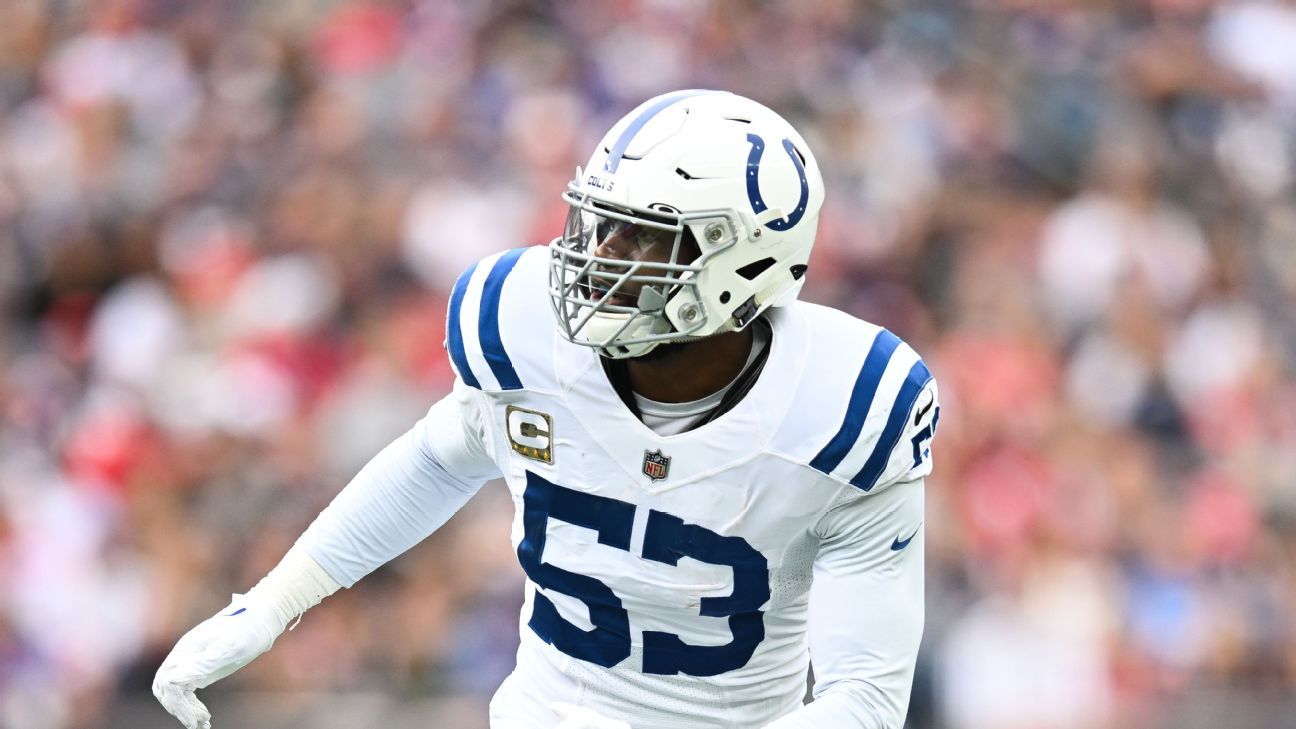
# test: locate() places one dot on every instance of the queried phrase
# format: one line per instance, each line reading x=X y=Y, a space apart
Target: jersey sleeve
x=499 y=326
x=455 y=435
x=888 y=410
x=866 y=612
x=911 y=456
x=406 y=492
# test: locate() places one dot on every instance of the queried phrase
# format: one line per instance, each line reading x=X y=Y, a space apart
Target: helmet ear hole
x=724 y=297
x=755 y=268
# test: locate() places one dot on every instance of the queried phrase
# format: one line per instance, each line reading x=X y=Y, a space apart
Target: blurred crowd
x=227 y=230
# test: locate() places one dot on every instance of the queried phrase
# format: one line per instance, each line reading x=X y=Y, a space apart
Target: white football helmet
x=726 y=191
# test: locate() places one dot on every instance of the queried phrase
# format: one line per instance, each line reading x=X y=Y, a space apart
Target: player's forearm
x=403 y=494
x=866 y=613
x=400 y=496
x=848 y=705
x=398 y=499
x=297 y=584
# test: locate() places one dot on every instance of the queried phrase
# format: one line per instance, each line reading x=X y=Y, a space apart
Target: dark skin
x=681 y=372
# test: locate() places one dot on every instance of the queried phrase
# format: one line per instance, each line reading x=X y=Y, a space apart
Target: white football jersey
x=669 y=577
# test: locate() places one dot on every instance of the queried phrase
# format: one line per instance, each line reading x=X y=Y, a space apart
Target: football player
x=715 y=484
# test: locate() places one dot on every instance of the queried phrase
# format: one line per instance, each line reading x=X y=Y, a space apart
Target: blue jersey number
x=666 y=539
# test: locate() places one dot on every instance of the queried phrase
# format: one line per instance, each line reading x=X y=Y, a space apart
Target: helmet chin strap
x=651 y=300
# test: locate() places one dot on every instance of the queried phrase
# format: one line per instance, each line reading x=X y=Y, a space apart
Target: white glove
x=212 y=650
x=579 y=717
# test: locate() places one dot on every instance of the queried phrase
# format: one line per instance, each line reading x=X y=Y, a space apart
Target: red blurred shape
x=1220 y=518
x=1002 y=496
x=105 y=448
x=358 y=39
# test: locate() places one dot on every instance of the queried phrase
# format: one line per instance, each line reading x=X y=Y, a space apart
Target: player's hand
x=579 y=717
x=212 y=650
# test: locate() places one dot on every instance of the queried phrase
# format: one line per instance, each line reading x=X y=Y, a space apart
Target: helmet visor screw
x=714 y=232
x=689 y=313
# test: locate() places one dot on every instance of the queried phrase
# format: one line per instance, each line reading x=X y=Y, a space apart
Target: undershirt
x=673 y=418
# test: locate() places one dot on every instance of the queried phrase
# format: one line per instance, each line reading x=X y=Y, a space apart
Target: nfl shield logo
x=655 y=465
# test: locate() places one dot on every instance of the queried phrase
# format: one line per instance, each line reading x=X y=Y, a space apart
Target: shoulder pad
x=866 y=408
x=498 y=324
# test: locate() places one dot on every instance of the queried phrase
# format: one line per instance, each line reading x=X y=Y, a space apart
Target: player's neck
x=688 y=372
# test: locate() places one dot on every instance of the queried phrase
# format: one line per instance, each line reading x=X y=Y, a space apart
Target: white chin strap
x=602 y=327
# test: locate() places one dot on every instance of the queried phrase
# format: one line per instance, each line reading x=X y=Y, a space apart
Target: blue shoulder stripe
x=488 y=322
x=454 y=335
x=861 y=400
x=916 y=380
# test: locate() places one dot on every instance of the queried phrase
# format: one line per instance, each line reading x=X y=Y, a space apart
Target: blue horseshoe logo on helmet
x=753 y=183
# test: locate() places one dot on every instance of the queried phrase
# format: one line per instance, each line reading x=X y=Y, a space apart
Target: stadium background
x=227 y=230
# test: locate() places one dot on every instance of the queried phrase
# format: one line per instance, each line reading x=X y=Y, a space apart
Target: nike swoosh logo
x=918 y=416
x=898 y=545
x=236 y=612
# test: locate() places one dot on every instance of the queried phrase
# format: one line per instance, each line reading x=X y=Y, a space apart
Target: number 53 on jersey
x=667 y=538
